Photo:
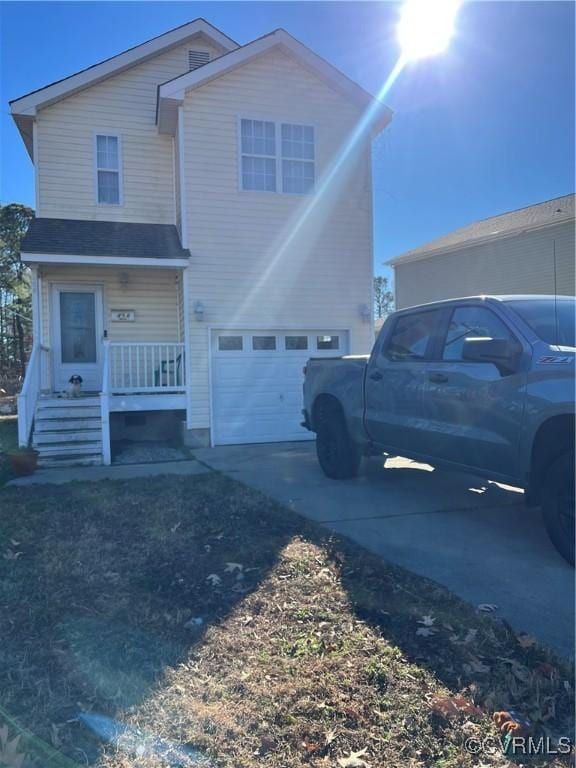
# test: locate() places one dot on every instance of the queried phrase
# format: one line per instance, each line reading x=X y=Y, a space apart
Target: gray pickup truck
x=484 y=385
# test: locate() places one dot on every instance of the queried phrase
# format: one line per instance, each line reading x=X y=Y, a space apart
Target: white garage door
x=257 y=382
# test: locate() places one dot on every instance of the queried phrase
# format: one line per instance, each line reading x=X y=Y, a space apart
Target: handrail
x=28 y=396
x=105 y=404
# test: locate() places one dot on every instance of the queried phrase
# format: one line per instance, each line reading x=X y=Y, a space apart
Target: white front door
x=77 y=331
x=257 y=382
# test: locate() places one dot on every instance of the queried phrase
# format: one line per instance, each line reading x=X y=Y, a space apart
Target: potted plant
x=23 y=461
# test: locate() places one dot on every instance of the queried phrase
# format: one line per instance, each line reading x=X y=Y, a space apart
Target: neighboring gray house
x=530 y=250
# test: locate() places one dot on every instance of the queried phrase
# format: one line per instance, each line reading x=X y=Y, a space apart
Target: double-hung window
x=108 y=173
x=277 y=157
x=297 y=158
x=258 y=145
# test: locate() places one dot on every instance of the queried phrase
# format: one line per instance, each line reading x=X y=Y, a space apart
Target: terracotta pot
x=23 y=463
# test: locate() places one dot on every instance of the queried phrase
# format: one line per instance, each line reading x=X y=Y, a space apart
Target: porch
x=136 y=377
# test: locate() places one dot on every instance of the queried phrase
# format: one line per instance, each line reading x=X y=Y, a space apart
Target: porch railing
x=29 y=395
x=146 y=367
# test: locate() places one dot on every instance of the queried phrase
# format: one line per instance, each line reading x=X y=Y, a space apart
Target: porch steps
x=68 y=432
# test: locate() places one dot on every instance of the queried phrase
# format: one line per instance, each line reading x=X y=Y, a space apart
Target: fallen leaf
x=454 y=705
x=487 y=607
x=526 y=641
x=10 y=555
x=354 y=760
x=476 y=666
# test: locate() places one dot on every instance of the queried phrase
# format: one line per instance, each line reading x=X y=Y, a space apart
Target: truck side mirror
x=502 y=353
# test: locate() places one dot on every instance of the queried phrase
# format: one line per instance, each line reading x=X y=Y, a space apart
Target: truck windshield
x=553 y=321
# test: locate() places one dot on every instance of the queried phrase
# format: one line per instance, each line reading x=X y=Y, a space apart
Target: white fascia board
x=176 y=88
x=27 y=105
x=124 y=261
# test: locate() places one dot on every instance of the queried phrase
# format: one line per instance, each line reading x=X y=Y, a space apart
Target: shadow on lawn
x=105 y=585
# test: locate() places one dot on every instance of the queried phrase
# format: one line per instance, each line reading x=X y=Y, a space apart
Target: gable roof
x=24 y=108
x=78 y=237
x=171 y=93
x=551 y=212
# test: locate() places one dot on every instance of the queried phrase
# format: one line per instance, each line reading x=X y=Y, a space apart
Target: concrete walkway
x=474 y=537
x=114 y=472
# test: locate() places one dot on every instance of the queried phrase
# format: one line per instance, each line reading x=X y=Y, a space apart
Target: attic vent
x=197 y=59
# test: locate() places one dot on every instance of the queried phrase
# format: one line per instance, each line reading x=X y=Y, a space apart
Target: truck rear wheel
x=337 y=454
x=558 y=505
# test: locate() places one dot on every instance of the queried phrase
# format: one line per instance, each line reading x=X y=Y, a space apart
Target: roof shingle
x=550 y=212
x=77 y=237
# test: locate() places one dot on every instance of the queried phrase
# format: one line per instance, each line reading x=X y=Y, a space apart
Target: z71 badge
x=556 y=359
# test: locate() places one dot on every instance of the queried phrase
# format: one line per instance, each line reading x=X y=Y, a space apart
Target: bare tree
x=383 y=298
x=15 y=300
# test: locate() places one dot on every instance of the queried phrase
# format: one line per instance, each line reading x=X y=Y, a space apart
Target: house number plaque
x=122 y=315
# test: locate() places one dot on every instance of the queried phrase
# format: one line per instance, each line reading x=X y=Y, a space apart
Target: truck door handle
x=376 y=375
x=437 y=378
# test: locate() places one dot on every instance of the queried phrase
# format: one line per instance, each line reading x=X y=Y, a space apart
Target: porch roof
x=94 y=241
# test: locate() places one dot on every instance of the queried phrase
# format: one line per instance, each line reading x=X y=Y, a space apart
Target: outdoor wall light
x=124 y=280
x=364 y=311
x=199 y=311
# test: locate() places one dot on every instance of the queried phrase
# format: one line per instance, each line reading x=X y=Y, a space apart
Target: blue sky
x=485 y=128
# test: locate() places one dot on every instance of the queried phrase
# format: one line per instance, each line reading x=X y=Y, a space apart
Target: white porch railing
x=146 y=367
x=29 y=394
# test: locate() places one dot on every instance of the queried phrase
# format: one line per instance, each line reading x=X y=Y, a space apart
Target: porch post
x=36 y=322
x=105 y=404
x=187 y=346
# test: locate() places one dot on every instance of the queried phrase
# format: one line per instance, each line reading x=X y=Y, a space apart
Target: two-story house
x=203 y=226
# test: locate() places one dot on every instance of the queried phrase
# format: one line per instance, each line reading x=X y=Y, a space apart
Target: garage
x=257 y=382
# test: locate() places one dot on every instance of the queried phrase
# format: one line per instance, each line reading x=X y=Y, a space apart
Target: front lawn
x=209 y=617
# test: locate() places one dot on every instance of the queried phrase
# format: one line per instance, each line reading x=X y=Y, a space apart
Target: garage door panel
x=257 y=394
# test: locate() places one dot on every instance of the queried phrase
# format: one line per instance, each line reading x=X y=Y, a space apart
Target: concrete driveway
x=474 y=537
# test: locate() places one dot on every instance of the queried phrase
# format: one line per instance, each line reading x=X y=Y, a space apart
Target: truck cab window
x=411 y=336
x=472 y=323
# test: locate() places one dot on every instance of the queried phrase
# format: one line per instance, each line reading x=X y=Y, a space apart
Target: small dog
x=74 y=388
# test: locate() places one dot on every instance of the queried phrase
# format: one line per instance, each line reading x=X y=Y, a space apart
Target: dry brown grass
x=309 y=649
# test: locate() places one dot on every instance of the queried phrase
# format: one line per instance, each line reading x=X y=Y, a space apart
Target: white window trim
x=278 y=122
x=116 y=134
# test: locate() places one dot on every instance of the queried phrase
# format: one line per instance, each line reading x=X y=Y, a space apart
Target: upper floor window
x=108 y=165
x=277 y=157
x=297 y=158
x=258 y=146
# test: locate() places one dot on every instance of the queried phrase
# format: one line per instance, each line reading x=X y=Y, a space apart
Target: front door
x=77 y=331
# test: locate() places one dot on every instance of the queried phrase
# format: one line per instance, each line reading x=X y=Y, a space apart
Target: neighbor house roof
x=548 y=213
x=102 y=240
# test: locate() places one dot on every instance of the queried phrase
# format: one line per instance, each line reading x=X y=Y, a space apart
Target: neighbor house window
x=108 y=163
x=277 y=157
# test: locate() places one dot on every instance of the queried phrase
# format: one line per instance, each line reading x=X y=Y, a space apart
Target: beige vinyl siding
x=269 y=260
x=519 y=264
x=124 y=104
x=153 y=294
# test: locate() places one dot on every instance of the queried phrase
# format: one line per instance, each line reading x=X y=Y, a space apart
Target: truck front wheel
x=337 y=454
x=558 y=505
